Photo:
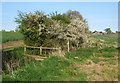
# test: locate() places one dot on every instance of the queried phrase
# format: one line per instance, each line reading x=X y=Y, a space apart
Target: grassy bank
x=14 y=59
x=86 y=64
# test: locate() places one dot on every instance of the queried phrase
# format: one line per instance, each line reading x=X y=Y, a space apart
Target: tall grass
x=51 y=69
x=58 y=68
x=14 y=59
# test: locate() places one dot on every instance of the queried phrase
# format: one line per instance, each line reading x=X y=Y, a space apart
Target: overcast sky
x=99 y=15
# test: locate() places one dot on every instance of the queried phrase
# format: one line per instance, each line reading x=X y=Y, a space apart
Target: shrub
x=34 y=27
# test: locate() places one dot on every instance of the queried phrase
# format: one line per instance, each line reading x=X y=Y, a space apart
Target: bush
x=34 y=27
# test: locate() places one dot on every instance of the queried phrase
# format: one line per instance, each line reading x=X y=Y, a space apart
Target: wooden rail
x=25 y=47
x=40 y=47
x=47 y=48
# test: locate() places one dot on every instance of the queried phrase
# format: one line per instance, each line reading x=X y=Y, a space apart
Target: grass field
x=107 y=37
x=10 y=36
x=85 y=64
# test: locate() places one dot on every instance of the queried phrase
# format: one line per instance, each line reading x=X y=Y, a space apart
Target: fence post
x=68 y=46
x=24 y=49
x=40 y=50
x=59 y=50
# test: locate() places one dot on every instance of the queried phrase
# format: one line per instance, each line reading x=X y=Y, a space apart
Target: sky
x=100 y=15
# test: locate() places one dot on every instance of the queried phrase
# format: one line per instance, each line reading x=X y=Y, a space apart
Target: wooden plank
x=32 y=47
x=49 y=48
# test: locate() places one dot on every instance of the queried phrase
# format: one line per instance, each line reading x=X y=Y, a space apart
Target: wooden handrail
x=41 y=47
x=31 y=46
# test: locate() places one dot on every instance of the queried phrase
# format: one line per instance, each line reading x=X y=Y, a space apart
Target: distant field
x=108 y=37
x=10 y=36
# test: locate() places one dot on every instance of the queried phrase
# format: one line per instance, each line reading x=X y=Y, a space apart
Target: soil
x=12 y=44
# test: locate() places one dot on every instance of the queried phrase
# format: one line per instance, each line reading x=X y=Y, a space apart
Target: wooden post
x=40 y=50
x=68 y=46
x=59 y=50
x=24 y=49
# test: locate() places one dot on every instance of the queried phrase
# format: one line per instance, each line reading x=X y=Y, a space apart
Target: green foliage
x=11 y=36
x=108 y=30
x=37 y=26
x=63 y=19
x=34 y=27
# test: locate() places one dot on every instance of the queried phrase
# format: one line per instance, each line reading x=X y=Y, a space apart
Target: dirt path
x=100 y=71
x=12 y=44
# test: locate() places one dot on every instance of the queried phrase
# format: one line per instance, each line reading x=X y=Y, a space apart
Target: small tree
x=74 y=14
x=108 y=30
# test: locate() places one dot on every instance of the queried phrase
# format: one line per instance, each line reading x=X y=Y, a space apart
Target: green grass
x=107 y=37
x=16 y=58
x=10 y=36
x=63 y=68
x=51 y=69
